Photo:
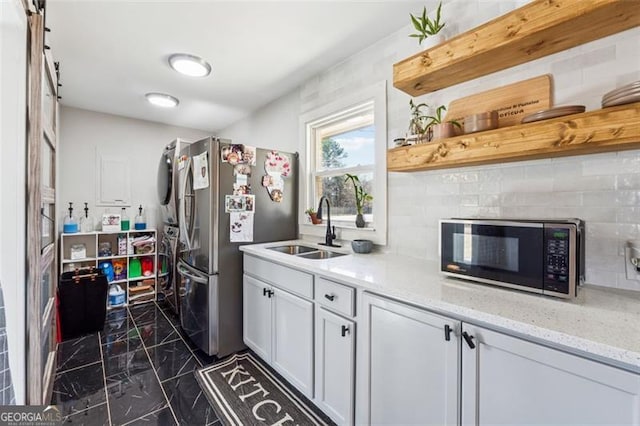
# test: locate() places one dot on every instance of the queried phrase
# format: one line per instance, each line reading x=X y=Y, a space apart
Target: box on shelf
x=111 y=222
x=78 y=251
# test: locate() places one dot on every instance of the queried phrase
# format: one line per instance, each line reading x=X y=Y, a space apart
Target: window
x=347 y=136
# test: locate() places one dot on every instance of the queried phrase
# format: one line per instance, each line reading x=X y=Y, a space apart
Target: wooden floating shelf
x=537 y=29
x=609 y=129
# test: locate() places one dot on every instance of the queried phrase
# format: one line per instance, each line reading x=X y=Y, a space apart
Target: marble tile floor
x=138 y=370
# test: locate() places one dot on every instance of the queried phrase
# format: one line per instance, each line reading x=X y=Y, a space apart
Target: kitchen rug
x=244 y=391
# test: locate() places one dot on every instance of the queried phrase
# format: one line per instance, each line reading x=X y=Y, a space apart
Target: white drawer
x=297 y=282
x=335 y=296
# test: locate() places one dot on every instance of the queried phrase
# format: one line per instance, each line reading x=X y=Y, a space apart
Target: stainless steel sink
x=322 y=254
x=293 y=249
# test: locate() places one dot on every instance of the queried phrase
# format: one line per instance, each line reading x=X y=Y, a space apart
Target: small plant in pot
x=427 y=29
x=437 y=129
x=313 y=215
x=418 y=123
x=362 y=197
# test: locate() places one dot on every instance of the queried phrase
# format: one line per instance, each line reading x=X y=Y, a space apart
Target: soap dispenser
x=125 y=223
x=86 y=221
x=141 y=222
x=70 y=222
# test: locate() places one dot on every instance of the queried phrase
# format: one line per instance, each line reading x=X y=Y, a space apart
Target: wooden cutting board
x=513 y=102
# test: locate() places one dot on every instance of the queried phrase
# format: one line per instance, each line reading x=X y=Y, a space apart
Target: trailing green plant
x=418 y=122
x=426 y=27
x=361 y=195
x=437 y=118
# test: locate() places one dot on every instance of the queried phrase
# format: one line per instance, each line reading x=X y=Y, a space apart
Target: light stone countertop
x=601 y=323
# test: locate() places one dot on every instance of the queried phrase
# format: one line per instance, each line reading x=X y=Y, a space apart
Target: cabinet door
x=507 y=380
x=335 y=362
x=256 y=315
x=292 y=343
x=410 y=369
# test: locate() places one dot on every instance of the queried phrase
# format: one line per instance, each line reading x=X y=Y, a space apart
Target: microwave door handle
x=186 y=273
x=183 y=205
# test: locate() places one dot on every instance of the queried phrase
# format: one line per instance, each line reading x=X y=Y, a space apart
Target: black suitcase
x=82 y=295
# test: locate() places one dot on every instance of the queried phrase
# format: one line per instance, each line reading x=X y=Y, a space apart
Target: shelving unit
x=538 y=29
x=610 y=129
x=92 y=240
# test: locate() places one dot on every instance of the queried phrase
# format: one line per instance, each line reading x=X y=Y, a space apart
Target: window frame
x=376 y=230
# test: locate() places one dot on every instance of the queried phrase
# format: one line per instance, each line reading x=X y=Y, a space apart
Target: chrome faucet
x=331 y=231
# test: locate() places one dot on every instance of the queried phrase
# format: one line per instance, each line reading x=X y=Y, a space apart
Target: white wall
x=268 y=129
x=13 y=83
x=603 y=189
x=82 y=132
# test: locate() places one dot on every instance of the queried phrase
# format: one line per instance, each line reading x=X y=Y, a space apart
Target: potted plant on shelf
x=437 y=129
x=418 y=123
x=313 y=215
x=427 y=29
x=361 y=197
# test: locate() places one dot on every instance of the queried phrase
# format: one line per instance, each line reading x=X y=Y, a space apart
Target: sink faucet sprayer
x=331 y=231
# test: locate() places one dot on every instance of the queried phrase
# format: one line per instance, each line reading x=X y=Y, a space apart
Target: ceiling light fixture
x=162 y=100
x=191 y=65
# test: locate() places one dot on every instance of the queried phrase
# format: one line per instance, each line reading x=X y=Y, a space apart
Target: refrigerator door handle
x=183 y=205
x=183 y=271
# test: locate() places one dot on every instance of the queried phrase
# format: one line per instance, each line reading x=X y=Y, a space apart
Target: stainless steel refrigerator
x=209 y=269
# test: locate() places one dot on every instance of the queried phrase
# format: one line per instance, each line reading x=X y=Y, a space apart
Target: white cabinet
x=113 y=185
x=278 y=326
x=507 y=380
x=335 y=366
x=409 y=364
x=292 y=354
x=256 y=317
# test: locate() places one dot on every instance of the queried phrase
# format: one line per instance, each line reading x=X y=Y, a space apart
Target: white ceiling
x=113 y=52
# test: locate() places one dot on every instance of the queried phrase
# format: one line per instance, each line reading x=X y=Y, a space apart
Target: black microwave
x=539 y=256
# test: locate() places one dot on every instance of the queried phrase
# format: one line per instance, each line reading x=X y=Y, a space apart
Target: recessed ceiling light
x=162 y=100
x=191 y=65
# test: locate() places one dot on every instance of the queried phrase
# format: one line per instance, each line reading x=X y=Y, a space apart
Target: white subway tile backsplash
x=602 y=189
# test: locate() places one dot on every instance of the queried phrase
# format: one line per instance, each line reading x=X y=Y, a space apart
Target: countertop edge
x=612 y=355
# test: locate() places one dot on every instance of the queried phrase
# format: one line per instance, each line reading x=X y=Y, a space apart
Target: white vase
x=432 y=41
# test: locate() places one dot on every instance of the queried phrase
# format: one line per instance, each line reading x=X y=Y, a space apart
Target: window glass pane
x=46 y=291
x=347 y=149
x=47 y=225
x=47 y=165
x=48 y=101
x=341 y=195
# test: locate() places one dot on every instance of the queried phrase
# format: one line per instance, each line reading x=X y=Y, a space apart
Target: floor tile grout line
x=178 y=376
x=104 y=377
x=77 y=368
x=180 y=335
x=91 y=407
x=163 y=343
x=154 y=369
x=145 y=415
